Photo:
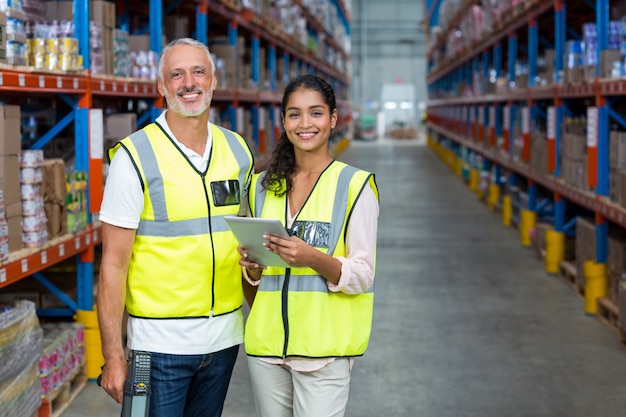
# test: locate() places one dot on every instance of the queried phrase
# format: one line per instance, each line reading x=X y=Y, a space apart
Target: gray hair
x=184 y=41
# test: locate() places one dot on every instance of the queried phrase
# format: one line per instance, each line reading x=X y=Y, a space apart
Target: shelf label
x=75 y=83
x=62 y=249
x=126 y=87
x=44 y=257
x=96 y=129
x=551 y=122
x=101 y=85
x=77 y=243
x=1 y=81
x=88 y=239
x=506 y=114
x=525 y=120
x=114 y=86
x=3 y=275
x=42 y=81
x=21 y=80
x=24 y=265
x=592 y=127
x=492 y=116
x=136 y=88
x=95 y=236
x=60 y=83
x=145 y=89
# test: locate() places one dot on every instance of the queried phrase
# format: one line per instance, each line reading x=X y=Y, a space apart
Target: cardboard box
x=10 y=183
x=53 y=184
x=142 y=42
x=15 y=233
x=607 y=58
x=617 y=149
x=10 y=132
x=57 y=219
x=119 y=125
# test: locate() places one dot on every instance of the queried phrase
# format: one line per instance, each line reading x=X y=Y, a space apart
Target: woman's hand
x=295 y=251
x=254 y=269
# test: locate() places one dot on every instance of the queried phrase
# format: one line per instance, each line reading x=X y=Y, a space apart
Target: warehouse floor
x=466 y=321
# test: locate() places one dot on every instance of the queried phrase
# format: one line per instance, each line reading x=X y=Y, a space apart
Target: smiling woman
x=304 y=335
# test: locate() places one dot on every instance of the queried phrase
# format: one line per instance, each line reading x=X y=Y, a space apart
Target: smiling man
x=167 y=254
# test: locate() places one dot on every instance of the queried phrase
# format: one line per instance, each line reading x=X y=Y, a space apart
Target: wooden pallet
x=567 y=270
x=607 y=313
x=58 y=400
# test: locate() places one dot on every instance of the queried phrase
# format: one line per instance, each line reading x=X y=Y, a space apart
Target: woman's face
x=308 y=120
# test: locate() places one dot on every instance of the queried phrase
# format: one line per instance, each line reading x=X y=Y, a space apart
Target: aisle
x=466 y=321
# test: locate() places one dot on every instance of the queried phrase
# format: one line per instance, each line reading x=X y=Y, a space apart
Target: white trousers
x=280 y=391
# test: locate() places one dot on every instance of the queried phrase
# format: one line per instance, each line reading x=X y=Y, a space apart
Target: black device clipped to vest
x=137 y=387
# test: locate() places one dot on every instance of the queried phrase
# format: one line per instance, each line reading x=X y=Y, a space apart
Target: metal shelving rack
x=478 y=122
x=79 y=90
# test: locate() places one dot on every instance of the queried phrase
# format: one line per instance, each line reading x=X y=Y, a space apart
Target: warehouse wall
x=387 y=46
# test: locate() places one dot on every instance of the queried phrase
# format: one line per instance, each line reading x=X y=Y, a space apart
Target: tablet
x=249 y=232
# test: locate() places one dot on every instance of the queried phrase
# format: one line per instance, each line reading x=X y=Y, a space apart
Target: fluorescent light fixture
x=406 y=105
x=391 y=105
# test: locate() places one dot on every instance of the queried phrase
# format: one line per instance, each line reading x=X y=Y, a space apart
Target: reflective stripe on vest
x=157 y=194
x=185 y=262
x=294 y=313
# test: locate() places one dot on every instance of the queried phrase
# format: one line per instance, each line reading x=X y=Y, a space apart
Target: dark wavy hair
x=282 y=165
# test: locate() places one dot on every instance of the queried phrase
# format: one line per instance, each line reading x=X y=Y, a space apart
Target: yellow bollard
x=93 y=344
x=493 y=194
x=507 y=210
x=555 y=250
x=595 y=285
x=528 y=221
x=473 y=179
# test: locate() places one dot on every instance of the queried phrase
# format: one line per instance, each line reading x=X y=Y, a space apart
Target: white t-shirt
x=122 y=205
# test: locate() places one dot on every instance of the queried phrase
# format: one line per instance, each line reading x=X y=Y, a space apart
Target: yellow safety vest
x=185 y=259
x=294 y=313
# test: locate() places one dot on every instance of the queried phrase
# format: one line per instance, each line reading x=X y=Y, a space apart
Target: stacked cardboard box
x=10 y=147
x=617 y=166
x=34 y=222
x=102 y=22
x=615 y=265
x=539 y=153
x=585 y=245
x=54 y=196
x=574 y=153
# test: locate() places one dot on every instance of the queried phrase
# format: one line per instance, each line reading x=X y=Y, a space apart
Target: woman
x=308 y=322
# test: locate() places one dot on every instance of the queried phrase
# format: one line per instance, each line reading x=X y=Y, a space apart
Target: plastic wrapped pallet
x=21 y=346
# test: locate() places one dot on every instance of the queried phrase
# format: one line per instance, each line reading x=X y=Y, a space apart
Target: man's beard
x=176 y=106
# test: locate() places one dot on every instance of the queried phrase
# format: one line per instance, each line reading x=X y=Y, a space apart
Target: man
x=167 y=253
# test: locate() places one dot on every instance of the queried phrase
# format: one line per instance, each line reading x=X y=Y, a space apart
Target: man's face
x=187 y=81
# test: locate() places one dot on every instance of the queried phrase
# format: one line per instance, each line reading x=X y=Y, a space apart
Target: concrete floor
x=466 y=321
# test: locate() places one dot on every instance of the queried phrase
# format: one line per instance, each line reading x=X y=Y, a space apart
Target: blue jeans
x=190 y=385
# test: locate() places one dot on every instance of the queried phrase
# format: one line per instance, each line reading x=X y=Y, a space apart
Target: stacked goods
x=34 y=221
x=4 y=230
x=585 y=246
x=615 y=265
x=54 y=195
x=617 y=166
x=63 y=355
x=21 y=343
x=574 y=152
x=76 y=201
